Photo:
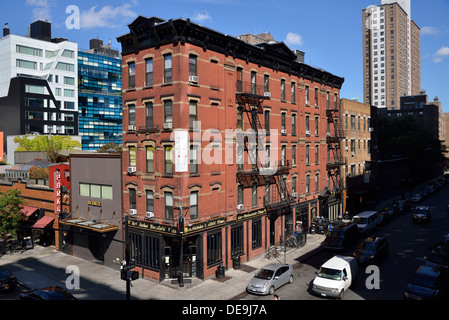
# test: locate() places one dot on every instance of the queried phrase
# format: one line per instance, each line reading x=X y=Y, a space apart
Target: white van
x=335 y=276
x=366 y=221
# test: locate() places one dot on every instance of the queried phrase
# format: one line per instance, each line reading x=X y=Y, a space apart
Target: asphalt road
x=408 y=246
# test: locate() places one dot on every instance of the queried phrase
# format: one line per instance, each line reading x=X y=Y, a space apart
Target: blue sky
x=328 y=31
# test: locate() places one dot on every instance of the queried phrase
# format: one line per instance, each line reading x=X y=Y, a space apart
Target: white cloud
x=201 y=17
x=441 y=54
x=106 y=17
x=293 y=39
x=427 y=30
x=42 y=8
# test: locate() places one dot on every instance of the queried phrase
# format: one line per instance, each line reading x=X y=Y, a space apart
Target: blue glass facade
x=99 y=100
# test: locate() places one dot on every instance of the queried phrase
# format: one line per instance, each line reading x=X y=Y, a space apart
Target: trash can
x=220 y=273
x=236 y=262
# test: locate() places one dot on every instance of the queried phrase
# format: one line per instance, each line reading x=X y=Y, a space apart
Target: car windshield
x=423 y=281
x=420 y=211
x=369 y=246
x=264 y=274
x=327 y=273
x=360 y=220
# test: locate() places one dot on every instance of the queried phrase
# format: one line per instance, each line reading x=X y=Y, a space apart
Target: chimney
x=6 y=30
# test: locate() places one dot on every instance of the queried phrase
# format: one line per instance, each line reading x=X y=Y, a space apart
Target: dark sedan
x=427 y=284
x=372 y=250
x=421 y=214
x=7 y=280
x=47 y=293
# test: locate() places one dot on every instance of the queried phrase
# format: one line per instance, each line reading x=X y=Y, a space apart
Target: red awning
x=43 y=222
x=28 y=211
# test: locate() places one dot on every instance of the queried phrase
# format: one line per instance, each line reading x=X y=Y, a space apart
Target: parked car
x=8 y=281
x=366 y=221
x=417 y=197
x=341 y=236
x=427 y=283
x=319 y=225
x=47 y=293
x=335 y=276
x=402 y=206
x=421 y=214
x=372 y=250
x=384 y=218
x=270 y=278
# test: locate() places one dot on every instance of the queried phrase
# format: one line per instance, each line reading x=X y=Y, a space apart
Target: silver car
x=270 y=278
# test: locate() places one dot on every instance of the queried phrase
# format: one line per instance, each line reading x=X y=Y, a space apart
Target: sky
x=328 y=31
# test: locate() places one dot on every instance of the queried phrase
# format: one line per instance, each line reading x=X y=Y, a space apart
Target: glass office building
x=99 y=99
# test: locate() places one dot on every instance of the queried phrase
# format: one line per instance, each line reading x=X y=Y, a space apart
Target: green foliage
x=110 y=147
x=51 y=145
x=11 y=205
x=38 y=173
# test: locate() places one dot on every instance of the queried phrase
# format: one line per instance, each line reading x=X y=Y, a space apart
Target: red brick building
x=179 y=76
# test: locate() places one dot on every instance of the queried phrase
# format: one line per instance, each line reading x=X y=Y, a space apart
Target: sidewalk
x=42 y=267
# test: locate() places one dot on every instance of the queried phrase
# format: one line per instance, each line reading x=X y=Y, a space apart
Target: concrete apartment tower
x=391 y=54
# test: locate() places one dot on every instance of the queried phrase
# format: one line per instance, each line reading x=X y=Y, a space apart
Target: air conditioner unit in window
x=168 y=125
x=295 y=195
x=267 y=94
x=308 y=133
x=131 y=127
x=193 y=79
x=283 y=131
x=150 y=214
x=347 y=148
x=353 y=154
x=132 y=212
x=240 y=207
x=132 y=169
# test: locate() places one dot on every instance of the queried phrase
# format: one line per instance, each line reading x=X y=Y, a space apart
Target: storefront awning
x=90 y=224
x=43 y=222
x=28 y=210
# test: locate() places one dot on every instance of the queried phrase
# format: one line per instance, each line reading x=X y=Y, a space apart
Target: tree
x=11 y=205
x=50 y=145
x=110 y=147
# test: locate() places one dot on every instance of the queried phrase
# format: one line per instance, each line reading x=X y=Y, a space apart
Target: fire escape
x=334 y=137
x=277 y=199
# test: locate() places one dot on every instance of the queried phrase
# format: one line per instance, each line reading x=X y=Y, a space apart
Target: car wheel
x=271 y=291
x=342 y=294
x=290 y=279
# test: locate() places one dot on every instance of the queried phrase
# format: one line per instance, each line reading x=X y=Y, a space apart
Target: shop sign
x=57 y=193
x=251 y=214
x=94 y=203
x=202 y=226
x=153 y=227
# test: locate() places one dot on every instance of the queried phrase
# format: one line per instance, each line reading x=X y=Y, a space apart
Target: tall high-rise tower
x=391 y=53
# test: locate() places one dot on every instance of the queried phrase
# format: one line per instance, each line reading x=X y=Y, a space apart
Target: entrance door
x=171 y=258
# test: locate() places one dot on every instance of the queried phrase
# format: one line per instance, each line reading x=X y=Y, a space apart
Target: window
x=327 y=100
x=307 y=183
x=194 y=205
x=294 y=155
x=253 y=82
x=168 y=68
x=317 y=153
x=266 y=83
x=240 y=194
x=150 y=201
x=317 y=125
x=256 y=238
x=317 y=182
x=193 y=117
x=135 y=248
x=150 y=159
x=132 y=114
x=254 y=195
x=352 y=122
x=69 y=81
x=267 y=192
x=26 y=64
x=293 y=92
x=236 y=240
x=283 y=123
x=316 y=97
x=282 y=90
x=294 y=124
x=193 y=65
x=152 y=252
x=132 y=156
x=34 y=89
x=193 y=159
x=149 y=72
x=68 y=54
x=29 y=50
x=307 y=96
x=307 y=154
x=294 y=183
x=284 y=155
x=267 y=121
x=168 y=152
x=131 y=75
x=213 y=248
x=65 y=66
x=307 y=125
x=168 y=111
x=168 y=205
x=239 y=118
x=149 y=115
x=132 y=199
x=68 y=93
